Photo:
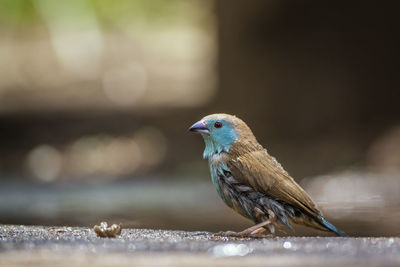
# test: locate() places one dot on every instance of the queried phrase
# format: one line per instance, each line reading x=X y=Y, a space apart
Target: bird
x=252 y=182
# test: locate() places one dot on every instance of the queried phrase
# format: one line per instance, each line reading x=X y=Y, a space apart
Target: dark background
x=96 y=98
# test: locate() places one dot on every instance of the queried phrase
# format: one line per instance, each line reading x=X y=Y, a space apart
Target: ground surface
x=69 y=246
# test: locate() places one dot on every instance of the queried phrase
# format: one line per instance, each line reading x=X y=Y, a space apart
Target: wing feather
x=263 y=173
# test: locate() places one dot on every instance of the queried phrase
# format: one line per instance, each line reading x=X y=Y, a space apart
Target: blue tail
x=333 y=228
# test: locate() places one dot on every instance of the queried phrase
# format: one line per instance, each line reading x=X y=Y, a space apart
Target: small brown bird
x=252 y=182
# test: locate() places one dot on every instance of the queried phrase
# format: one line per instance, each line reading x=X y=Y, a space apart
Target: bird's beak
x=199 y=127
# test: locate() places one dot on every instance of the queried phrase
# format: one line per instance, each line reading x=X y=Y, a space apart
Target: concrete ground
x=70 y=246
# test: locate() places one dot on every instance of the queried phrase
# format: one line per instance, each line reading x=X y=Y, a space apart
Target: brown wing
x=264 y=174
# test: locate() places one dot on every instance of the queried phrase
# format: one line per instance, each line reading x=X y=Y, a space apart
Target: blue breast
x=216 y=170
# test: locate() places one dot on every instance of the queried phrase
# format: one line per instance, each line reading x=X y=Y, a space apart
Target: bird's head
x=220 y=132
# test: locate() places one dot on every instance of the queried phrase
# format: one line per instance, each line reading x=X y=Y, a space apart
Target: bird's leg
x=253 y=231
x=258 y=231
x=255 y=228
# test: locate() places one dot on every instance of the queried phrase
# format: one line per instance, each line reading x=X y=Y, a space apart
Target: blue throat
x=212 y=147
x=218 y=143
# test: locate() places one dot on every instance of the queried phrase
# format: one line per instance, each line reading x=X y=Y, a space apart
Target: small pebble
x=104 y=231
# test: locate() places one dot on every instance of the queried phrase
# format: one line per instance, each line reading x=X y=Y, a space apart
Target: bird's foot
x=254 y=231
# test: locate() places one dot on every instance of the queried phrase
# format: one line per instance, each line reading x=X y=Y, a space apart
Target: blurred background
x=96 y=97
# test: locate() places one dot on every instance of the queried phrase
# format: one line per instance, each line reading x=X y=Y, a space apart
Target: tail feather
x=330 y=226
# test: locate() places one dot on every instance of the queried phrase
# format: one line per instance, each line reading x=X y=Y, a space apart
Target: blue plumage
x=218 y=139
x=333 y=228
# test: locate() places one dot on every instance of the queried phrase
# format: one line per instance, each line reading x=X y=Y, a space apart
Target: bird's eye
x=218 y=124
